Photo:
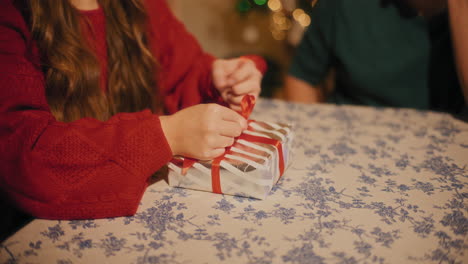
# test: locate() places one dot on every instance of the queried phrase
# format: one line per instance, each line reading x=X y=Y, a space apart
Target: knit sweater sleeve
x=84 y=169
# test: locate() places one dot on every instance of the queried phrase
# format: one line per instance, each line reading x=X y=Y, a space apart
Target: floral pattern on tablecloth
x=367 y=185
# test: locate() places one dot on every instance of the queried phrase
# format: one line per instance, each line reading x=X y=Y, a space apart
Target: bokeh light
x=297 y=13
x=304 y=20
x=260 y=2
x=275 y=5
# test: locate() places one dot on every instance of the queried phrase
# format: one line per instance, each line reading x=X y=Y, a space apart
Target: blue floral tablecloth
x=367 y=185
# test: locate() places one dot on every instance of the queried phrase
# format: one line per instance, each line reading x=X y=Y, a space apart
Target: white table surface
x=367 y=185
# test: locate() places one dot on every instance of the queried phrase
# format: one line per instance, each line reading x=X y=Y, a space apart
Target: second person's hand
x=235 y=78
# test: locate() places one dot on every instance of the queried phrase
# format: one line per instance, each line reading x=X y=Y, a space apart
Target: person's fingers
x=211 y=154
x=251 y=86
x=222 y=142
x=230 y=129
x=217 y=152
x=222 y=69
x=236 y=100
x=227 y=67
x=235 y=107
x=242 y=73
x=231 y=65
x=230 y=115
x=219 y=76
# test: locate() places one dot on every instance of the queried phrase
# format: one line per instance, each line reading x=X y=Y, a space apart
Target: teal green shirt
x=381 y=57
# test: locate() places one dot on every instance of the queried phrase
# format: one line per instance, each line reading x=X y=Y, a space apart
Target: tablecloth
x=367 y=185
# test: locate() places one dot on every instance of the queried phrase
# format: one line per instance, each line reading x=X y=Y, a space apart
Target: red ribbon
x=187 y=164
x=215 y=178
x=268 y=141
x=247 y=105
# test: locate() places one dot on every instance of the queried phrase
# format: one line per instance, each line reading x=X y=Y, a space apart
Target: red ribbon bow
x=247 y=105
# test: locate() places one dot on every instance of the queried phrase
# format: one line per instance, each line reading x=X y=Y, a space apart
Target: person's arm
x=306 y=80
x=299 y=91
x=87 y=168
x=185 y=76
x=458 y=11
x=55 y=170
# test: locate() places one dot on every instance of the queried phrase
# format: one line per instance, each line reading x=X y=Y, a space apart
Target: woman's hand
x=235 y=78
x=202 y=131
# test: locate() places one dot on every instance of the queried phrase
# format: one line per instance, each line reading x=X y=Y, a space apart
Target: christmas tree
x=289 y=18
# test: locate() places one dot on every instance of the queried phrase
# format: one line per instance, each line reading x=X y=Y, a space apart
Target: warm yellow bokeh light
x=279 y=18
x=274 y=5
x=304 y=20
x=297 y=13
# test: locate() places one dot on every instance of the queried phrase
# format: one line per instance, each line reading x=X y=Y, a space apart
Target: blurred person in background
x=397 y=53
x=96 y=96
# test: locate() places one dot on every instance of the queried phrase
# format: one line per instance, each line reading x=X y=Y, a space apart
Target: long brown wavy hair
x=72 y=69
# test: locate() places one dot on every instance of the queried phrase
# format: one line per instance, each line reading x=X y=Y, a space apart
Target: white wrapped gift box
x=249 y=168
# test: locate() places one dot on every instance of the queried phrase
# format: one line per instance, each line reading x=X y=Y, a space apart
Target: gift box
x=249 y=168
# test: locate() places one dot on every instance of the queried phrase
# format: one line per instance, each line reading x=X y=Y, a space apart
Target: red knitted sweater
x=88 y=168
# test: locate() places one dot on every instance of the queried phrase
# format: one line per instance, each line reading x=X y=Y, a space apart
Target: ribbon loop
x=247 y=105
